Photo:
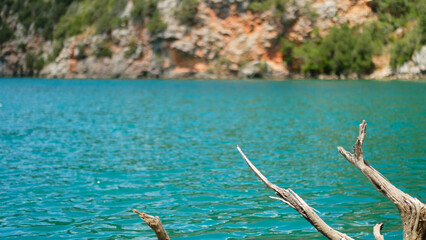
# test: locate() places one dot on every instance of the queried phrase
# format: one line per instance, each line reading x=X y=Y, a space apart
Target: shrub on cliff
x=398 y=12
x=277 y=6
x=343 y=50
x=403 y=49
x=132 y=48
x=103 y=50
x=146 y=10
x=41 y=15
x=33 y=63
x=6 y=33
x=143 y=9
x=155 y=25
x=186 y=11
x=102 y=14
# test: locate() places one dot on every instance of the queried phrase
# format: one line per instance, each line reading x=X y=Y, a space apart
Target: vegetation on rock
x=146 y=12
x=6 y=33
x=186 y=11
x=103 y=50
x=398 y=30
x=34 y=63
x=258 y=6
x=103 y=15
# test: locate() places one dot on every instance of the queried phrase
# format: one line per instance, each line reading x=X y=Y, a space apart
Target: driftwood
x=155 y=224
x=412 y=211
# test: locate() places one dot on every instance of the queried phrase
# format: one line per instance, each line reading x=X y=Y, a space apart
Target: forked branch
x=412 y=211
x=296 y=202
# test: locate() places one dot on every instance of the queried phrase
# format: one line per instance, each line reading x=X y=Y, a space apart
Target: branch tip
x=376 y=231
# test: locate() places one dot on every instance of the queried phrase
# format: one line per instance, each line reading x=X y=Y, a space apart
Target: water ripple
x=77 y=156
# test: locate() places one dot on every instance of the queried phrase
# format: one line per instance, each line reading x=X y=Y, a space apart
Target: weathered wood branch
x=376 y=231
x=155 y=224
x=296 y=202
x=412 y=211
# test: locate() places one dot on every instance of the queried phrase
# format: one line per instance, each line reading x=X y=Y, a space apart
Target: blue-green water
x=77 y=156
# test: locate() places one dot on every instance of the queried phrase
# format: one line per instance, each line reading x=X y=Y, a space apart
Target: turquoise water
x=76 y=156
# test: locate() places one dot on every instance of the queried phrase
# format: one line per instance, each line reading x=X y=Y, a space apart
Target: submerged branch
x=155 y=224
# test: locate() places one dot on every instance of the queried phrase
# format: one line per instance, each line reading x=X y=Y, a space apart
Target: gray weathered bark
x=376 y=231
x=155 y=224
x=297 y=203
x=412 y=211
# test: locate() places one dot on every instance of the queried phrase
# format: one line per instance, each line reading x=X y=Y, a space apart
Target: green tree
x=343 y=50
x=143 y=9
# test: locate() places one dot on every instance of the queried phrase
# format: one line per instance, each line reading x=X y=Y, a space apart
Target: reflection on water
x=77 y=156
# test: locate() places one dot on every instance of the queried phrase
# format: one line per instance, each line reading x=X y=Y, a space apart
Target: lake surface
x=77 y=155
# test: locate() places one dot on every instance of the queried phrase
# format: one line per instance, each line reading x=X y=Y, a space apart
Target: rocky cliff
x=224 y=39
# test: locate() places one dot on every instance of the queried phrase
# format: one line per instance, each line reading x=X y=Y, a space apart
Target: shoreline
x=225 y=77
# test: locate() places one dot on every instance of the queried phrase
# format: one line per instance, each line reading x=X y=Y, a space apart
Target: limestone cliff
x=225 y=40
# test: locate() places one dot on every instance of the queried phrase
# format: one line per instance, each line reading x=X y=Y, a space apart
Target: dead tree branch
x=297 y=203
x=376 y=231
x=412 y=211
x=155 y=224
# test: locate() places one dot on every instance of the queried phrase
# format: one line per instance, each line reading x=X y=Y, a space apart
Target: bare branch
x=296 y=202
x=376 y=231
x=155 y=224
x=413 y=212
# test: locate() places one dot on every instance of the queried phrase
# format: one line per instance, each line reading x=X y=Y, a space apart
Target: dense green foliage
x=34 y=63
x=398 y=12
x=404 y=48
x=186 y=11
x=287 y=48
x=343 y=50
x=146 y=12
x=5 y=32
x=143 y=9
x=346 y=50
x=104 y=15
x=155 y=25
x=41 y=15
x=103 y=50
x=413 y=40
x=278 y=6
